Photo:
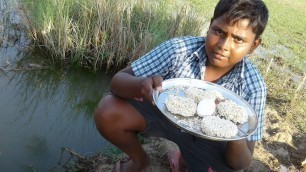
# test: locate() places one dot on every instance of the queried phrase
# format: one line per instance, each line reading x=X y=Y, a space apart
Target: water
x=42 y=111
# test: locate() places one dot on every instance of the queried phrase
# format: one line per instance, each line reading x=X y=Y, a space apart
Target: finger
x=153 y=100
x=147 y=88
x=139 y=99
x=150 y=96
x=157 y=82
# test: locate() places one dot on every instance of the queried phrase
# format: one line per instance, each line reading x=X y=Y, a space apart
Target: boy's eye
x=219 y=32
x=239 y=40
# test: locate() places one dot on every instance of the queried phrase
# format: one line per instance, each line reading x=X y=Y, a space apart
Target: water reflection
x=37 y=145
x=44 y=110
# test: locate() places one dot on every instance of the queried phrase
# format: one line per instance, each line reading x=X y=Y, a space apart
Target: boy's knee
x=104 y=111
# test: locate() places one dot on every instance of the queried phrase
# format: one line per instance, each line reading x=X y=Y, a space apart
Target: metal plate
x=177 y=85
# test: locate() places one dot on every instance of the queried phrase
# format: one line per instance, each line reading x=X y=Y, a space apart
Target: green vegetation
x=287 y=29
x=112 y=33
x=98 y=32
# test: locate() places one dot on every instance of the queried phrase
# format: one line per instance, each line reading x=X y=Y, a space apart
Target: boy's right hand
x=150 y=83
x=126 y=85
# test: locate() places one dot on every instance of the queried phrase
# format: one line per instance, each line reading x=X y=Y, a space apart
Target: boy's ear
x=256 y=43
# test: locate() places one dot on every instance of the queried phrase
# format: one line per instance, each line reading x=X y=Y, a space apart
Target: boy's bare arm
x=126 y=85
x=239 y=154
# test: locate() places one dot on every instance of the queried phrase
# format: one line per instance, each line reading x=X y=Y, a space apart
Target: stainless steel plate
x=177 y=85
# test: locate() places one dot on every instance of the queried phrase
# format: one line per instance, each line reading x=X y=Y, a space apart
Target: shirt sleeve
x=257 y=101
x=157 y=62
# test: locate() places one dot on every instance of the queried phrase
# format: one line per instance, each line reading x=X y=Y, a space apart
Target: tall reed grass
x=95 y=33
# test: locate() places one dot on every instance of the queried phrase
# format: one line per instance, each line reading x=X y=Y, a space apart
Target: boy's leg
x=199 y=154
x=177 y=162
x=119 y=122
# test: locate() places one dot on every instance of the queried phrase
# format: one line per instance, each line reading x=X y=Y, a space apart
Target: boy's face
x=228 y=44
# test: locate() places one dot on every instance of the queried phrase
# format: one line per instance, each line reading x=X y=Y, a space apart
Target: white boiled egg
x=206 y=107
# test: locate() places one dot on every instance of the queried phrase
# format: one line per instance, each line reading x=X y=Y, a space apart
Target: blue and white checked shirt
x=185 y=57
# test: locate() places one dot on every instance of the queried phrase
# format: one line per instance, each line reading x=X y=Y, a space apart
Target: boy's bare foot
x=176 y=161
x=129 y=165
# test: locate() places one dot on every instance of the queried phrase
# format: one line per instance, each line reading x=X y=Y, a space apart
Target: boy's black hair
x=235 y=10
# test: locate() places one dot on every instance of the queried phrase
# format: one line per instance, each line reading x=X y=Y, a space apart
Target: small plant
x=113 y=153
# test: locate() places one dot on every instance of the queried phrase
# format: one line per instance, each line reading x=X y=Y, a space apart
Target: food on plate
x=181 y=105
x=195 y=93
x=198 y=94
x=218 y=127
x=205 y=111
x=206 y=107
x=232 y=111
x=214 y=94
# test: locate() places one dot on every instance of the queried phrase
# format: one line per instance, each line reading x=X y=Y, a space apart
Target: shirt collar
x=200 y=54
x=237 y=73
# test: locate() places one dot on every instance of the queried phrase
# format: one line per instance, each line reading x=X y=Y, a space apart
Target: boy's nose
x=224 y=44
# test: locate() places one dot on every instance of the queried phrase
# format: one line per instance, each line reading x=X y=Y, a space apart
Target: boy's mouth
x=218 y=56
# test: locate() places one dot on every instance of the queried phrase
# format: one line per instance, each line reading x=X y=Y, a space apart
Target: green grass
x=287 y=29
x=94 y=33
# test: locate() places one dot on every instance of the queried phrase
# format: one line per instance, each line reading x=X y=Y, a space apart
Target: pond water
x=42 y=111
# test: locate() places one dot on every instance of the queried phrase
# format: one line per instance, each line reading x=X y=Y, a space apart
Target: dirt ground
x=283 y=149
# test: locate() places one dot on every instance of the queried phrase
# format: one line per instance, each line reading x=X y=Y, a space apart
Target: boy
x=221 y=57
